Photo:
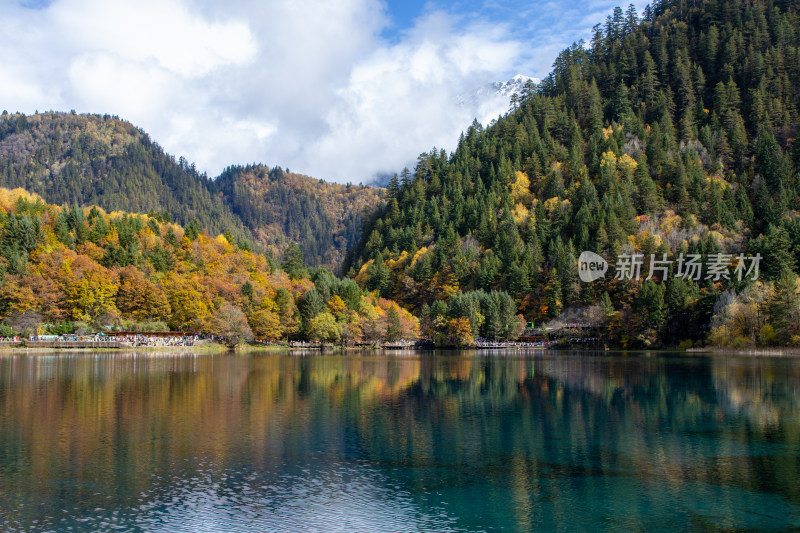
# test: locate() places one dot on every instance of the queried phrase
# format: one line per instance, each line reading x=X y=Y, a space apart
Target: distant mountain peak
x=513 y=85
x=494 y=98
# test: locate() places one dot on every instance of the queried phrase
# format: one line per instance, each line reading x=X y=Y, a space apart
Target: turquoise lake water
x=436 y=441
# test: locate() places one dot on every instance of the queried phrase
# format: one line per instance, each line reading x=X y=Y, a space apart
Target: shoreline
x=201 y=348
x=752 y=352
x=215 y=348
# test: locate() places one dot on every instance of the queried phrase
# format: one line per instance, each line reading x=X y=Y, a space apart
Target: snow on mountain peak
x=514 y=85
x=493 y=99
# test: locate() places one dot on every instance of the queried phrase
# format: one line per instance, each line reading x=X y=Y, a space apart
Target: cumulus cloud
x=403 y=99
x=312 y=85
x=165 y=32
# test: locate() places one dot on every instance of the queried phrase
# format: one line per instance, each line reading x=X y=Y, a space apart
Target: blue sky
x=543 y=27
x=403 y=15
x=341 y=90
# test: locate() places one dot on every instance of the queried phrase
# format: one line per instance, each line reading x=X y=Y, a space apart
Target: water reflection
x=406 y=442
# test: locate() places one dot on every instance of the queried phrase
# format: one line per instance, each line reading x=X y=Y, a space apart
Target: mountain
x=673 y=133
x=494 y=98
x=280 y=207
x=105 y=161
x=671 y=136
x=516 y=84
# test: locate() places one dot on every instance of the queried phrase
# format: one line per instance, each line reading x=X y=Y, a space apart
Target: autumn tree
x=140 y=298
x=324 y=328
x=90 y=294
x=230 y=323
x=265 y=324
x=190 y=308
x=459 y=332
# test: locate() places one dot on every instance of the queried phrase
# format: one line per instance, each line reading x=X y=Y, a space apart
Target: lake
x=406 y=441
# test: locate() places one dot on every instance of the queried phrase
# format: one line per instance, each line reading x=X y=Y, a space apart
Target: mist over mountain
x=494 y=99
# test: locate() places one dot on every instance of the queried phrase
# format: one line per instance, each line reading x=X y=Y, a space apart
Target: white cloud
x=310 y=85
x=403 y=99
x=126 y=88
x=165 y=31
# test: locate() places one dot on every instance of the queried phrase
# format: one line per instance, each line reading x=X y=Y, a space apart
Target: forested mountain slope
x=280 y=207
x=671 y=133
x=102 y=160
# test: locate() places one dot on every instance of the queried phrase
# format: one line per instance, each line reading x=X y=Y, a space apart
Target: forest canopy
x=81 y=269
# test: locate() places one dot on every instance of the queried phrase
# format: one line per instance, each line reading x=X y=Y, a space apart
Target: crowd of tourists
x=132 y=339
x=153 y=340
x=487 y=343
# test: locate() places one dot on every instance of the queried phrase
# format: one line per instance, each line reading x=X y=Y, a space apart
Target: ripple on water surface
x=440 y=442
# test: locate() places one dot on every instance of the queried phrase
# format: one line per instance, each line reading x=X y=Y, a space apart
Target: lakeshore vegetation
x=80 y=269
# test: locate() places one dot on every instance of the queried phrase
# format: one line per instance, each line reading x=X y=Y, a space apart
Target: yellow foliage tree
x=520 y=213
x=336 y=305
x=324 y=328
x=459 y=332
x=627 y=164
x=140 y=298
x=190 y=309
x=90 y=296
x=609 y=159
x=521 y=189
x=14 y=297
x=265 y=325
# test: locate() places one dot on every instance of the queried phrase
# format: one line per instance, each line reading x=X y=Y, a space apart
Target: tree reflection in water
x=444 y=441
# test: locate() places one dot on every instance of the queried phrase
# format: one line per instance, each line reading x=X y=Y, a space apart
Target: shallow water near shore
x=400 y=441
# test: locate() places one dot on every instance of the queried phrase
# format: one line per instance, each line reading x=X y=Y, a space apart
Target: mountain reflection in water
x=450 y=441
